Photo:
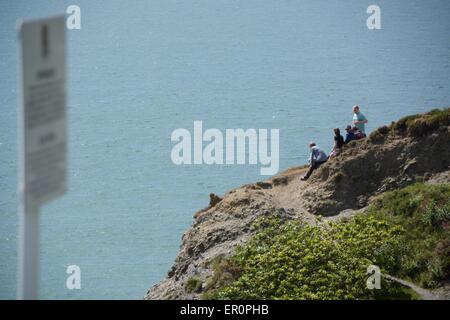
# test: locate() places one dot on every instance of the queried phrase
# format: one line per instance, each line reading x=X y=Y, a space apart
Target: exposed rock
x=408 y=151
x=366 y=169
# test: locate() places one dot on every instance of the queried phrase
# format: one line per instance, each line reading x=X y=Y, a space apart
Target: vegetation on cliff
x=420 y=124
x=424 y=213
x=404 y=232
x=284 y=238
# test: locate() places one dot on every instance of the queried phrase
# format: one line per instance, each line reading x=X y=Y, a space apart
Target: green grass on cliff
x=420 y=124
x=405 y=233
x=414 y=125
x=424 y=213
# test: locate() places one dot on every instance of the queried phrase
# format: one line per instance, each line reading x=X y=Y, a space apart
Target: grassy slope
x=404 y=232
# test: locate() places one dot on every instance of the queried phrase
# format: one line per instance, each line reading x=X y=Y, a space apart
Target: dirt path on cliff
x=423 y=293
x=287 y=195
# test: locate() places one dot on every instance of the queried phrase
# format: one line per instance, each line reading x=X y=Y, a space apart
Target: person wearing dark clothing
x=358 y=134
x=316 y=159
x=338 y=143
x=349 y=135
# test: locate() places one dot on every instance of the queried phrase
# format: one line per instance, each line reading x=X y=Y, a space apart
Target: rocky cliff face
x=415 y=148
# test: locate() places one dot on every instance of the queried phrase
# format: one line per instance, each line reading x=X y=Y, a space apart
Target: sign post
x=42 y=136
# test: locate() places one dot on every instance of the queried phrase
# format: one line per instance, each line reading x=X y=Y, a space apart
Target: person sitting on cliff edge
x=350 y=135
x=316 y=159
x=358 y=134
x=338 y=143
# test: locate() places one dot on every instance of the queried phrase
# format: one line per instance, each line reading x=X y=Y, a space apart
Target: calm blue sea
x=138 y=70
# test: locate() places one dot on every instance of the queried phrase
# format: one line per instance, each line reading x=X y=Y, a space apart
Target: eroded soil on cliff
x=388 y=159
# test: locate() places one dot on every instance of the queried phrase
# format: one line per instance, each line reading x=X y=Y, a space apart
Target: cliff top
x=413 y=149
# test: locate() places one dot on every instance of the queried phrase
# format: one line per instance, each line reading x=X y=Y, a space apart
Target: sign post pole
x=42 y=137
x=28 y=253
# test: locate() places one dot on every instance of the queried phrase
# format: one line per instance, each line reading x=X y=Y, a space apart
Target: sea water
x=139 y=70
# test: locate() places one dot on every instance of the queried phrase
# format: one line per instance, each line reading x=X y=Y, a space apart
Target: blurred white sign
x=43 y=119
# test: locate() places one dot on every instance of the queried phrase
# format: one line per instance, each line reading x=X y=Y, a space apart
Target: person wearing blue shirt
x=359 y=120
x=316 y=158
x=350 y=135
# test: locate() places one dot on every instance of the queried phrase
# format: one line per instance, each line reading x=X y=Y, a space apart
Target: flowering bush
x=401 y=233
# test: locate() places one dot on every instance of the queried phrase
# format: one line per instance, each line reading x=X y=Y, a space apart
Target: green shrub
x=329 y=261
x=224 y=271
x=193 y=284
x=423 y=211
x=404 y=232
x=402 y=124
x=442 y=252
x=437 y=216
x=421 y=124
